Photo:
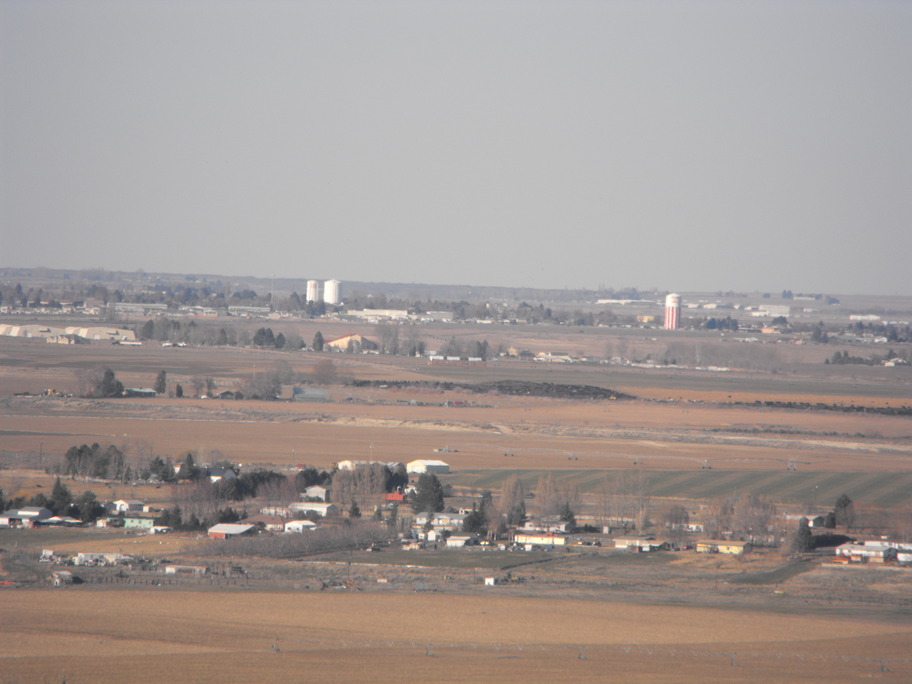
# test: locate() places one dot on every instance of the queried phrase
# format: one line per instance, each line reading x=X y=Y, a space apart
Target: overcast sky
x=677 y=145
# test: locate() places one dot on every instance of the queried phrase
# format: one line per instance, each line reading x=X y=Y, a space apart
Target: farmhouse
x=316 y=493
x=127 y=505
x=352 y=465
x=539 y=539
x=299 y=526
x=639 y=544
x=734 y=548
x=867 y=551
x=226 y=530
x=270 y=523
x=60 y=578
x=817 y=520
x=548 y=524
x=219 y=474
x=440 y=521
x=462 y=540
x=320 y=508
x=424 y=465
x=139 y=521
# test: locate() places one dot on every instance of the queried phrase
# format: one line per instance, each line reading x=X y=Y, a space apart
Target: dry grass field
x=111 y=636
x=538 y=433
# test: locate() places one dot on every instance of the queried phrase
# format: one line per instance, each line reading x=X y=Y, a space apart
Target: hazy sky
x=678 y=145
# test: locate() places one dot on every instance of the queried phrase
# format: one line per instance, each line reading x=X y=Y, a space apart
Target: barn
x=227 y=530
x=424 y=465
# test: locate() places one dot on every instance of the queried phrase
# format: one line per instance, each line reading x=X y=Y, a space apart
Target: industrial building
x=673 y=311
x=332 y=292
x=313 y=290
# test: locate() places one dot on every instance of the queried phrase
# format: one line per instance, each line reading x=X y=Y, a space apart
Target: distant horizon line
x=566 y=288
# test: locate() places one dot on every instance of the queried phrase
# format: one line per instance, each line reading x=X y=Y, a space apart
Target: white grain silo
x=672 y=311
x=332 y=292
x=313 y=290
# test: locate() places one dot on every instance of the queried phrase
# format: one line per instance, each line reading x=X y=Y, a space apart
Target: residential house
x=61 y=578
x=870 y=551
x=139 y=521
x=270 y=523
x=127 y=505
x=458 y=541
x=530 y=539
x=299 y=526
x=320 y=508
x=639 y=544
x=546 y=524
x=440 y=521
x=219 y=474
x=734 y=548
x=316 y=493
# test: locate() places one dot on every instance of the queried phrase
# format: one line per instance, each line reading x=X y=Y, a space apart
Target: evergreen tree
x=566 y=515
x=474 y=522
x=161 y=382
x=428 y=496
x=179 y=391
x=87 y=506
x=803 y=541
x=844 y=510
x=61 y=498
x=318 y=341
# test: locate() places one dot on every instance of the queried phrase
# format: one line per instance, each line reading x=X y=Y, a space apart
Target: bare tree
x=389 y=337
x=199 y=383
x=364 y=485
x=512 y=503
x=554 y=498
x=324 y=372
x=753 y=516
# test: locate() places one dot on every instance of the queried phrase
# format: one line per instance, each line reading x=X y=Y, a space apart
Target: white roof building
x=225 y=530
x=320 y=508
x=298 y=526
x=425 y=465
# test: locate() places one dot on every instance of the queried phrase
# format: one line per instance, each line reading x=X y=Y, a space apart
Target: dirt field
x=539 y=433
x=566 y=623
x=91 y=636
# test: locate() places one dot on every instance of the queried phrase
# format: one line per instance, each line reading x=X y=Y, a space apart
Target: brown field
x=109 y=636
x=537 y=433
x=681 y=420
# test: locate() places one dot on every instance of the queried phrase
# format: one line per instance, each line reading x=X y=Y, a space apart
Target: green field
x=788 y=487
